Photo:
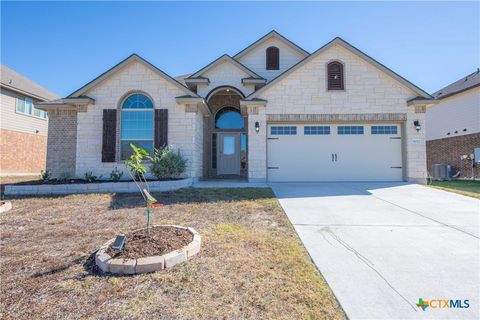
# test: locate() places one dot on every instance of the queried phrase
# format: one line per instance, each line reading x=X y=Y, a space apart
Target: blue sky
x=63 y=45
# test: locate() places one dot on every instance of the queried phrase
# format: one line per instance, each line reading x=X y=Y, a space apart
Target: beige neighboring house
x=23 y=128
x=272 y=112
x=453 y=127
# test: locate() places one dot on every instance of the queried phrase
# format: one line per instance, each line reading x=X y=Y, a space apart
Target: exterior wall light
x=416 y=123
x=257 y=127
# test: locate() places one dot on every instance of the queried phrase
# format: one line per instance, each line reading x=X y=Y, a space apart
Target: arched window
x=229 y=118
x=335 y=76
x=273 y=58
x=136 y=124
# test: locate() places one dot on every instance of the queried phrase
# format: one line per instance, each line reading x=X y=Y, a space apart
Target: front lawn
x=251 y=265
x=464 y=187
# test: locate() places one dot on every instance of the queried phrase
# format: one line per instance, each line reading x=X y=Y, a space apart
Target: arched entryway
x=226 y=131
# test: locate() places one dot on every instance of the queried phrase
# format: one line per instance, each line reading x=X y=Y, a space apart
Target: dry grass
x=251 y=266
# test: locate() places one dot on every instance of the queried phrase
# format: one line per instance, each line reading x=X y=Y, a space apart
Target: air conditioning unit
x=441 y=171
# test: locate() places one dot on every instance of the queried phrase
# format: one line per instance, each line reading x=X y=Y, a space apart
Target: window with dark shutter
x=335 y=76
x=109 y=135
x=161 y=128
x=273 y=58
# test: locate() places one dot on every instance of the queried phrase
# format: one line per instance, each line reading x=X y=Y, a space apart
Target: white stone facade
x=367 y=90
x=298 y=88
x=255 y=58
x=225 y=74
x=184 y=128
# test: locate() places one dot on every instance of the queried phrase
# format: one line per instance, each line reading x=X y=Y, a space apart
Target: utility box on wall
x=476 y=155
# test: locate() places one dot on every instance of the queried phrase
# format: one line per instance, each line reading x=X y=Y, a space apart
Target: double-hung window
x=25 y=106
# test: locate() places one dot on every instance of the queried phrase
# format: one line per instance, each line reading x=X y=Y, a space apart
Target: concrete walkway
x=382 y=246
x=228 y=184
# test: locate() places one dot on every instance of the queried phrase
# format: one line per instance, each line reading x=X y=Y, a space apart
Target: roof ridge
x=355 y=51
x=225 y=55
x=267 y=35
x=132 y=56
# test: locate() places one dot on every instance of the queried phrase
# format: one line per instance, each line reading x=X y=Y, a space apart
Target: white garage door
x=334 y=152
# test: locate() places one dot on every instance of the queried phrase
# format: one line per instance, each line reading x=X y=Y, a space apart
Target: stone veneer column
x=415 y=145
x=62 y=143
x=257 y=144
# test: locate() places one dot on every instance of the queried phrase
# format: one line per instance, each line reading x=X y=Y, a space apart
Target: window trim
x=274 y=50
x=328 y=128
x=350 y=134
x=17 y=98
x=342 y=75
x=120 y=118
x=226 y=109
x=384 y=133
x=284 y=132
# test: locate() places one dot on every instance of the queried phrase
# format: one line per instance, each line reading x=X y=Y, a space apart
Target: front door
x=229 y=153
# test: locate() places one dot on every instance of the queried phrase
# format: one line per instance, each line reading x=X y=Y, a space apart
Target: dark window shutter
x=161 y=128
x=335 y=76
x=109 y=135
x=273 y=58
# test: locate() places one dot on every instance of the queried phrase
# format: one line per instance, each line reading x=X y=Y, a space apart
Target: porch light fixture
x=416 y=123
x=257 y=127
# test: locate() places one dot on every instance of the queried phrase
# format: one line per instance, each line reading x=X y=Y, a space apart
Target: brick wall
x=449 y=150
x=62 y=143
x=21 y=153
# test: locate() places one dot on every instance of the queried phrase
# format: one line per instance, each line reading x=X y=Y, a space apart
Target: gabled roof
x=275 y=34
x=128 y=60
x=468 y=82
x=352 y=49
x=223 y=58
x=14 y=81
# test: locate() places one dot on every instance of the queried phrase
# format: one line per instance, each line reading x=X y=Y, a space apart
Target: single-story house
x=272 y=112
x=453 y=127
x=23 y=128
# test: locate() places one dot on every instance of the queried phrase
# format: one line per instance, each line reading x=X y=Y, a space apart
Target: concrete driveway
x=382 y=246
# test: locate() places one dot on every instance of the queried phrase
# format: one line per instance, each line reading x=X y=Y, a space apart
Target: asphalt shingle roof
x=13 y=79
x=468 y=82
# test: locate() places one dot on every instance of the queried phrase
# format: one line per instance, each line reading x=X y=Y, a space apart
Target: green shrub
x=64 y=177
x=166 y=164
x=116 y=175
x=45 y=176
x=135 y=163
x=90 y=177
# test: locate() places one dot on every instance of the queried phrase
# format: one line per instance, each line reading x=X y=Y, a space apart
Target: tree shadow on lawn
x=191 y=195
x=88 y=264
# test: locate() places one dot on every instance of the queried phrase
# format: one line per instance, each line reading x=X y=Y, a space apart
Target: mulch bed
x=163 y=239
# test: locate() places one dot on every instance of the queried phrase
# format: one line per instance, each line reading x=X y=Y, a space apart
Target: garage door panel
x=334 y=157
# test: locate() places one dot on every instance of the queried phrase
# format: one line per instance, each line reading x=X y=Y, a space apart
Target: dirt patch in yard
x=162 y=240
x=251 y=266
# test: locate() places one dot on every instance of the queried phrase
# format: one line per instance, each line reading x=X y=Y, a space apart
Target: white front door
x=228 y=153
x=334 y=152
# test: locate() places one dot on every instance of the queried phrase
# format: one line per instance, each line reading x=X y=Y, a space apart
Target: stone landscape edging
x=147 y=264
x=105 y=187
x=5 y=206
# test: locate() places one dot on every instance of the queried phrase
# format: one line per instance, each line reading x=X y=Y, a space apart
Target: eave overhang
x=254 y=80
x=22 y=92
x=65 y=104
x=254 y=101
x=420 y=101
x=198 y=101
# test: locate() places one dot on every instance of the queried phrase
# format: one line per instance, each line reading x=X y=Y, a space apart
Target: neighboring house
x=272 y=112
x=23 y=128
x=453 y=126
